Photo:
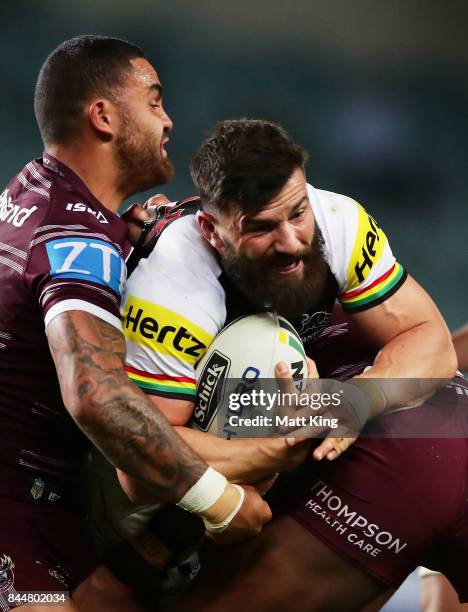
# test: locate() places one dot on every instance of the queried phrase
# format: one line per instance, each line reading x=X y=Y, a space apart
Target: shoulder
x=337 y=217
x=173 y=307
x=76 y=243
x=179 y=258
x=177 y=284
x=334 y=212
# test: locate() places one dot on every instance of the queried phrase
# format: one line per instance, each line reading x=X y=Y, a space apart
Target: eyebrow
x=156 y=87
x=296 y=206
x=252 y=223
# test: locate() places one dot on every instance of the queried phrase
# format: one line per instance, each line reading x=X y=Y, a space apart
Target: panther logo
x=312 y=324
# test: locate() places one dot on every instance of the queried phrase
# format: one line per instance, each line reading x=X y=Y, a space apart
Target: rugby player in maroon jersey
x=98 y=103
x=346 y=533
x=437 y=594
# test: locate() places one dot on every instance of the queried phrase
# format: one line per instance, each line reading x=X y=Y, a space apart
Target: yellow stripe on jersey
x=158 y=384
x=164 y=331
x=367 y=250
x=384 y=286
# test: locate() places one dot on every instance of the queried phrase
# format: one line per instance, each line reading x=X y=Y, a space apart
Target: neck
x=96 y=167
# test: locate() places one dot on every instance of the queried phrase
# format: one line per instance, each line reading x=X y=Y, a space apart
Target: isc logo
x=80 y=207
x=179 y=337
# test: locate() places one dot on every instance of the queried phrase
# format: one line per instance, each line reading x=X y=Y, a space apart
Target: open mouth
x=163 y=148
x=291 y=268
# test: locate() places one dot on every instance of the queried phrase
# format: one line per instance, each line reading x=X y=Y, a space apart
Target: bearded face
x=142 y=159
x=290 y=296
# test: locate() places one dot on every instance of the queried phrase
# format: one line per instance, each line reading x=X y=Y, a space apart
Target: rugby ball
x=236 y=385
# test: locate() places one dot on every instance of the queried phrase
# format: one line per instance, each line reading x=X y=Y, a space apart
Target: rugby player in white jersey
x=260 y=237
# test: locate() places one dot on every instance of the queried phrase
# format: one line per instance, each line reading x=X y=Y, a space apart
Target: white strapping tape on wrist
x=204 y=493
x=219 y=527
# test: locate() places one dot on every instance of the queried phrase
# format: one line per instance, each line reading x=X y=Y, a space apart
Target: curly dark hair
x=244 y=163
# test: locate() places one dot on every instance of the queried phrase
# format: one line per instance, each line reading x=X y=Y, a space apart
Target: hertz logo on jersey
x=368 y=248
x=164 y=331
x=373 y=274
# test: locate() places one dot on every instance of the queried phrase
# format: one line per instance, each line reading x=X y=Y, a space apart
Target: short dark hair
x=244 y=163
x=77 y=69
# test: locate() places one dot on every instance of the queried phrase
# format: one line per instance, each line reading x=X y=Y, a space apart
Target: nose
x=286 y=239
x=167 y=122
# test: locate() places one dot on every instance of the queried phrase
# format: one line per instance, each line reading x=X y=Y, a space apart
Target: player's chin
x=165 y=172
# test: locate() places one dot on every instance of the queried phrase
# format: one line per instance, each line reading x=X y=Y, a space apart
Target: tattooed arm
x=89 y=356
x=136 y=437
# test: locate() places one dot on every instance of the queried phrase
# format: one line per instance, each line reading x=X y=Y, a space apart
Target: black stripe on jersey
x=168 y=394
x=381 y=299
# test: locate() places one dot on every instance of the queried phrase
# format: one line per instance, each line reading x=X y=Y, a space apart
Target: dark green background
x=376 y=90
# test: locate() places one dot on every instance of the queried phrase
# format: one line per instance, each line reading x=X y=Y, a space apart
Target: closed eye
x=258 y=227
x=298 y=214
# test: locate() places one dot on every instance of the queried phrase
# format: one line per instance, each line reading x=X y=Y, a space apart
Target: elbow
x=135 y=490
x=78 y=410
x=452 y=362
x=444 y=362
x=446 y=359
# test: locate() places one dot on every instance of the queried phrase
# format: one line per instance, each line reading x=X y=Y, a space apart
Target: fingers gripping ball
x=236 y=377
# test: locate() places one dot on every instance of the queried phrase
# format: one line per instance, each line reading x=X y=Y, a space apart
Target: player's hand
x=348 y=417
x=282 y=454
x=249 y=520
x=138 y=215
x=263 y=486
x=332 y=447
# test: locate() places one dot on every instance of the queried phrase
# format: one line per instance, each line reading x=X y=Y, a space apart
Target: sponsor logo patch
x=13 y=213
x=359 y=531
x=164 y=331
x=368 y=248
x=80 y=207
x=210 y=390
x=87 y=259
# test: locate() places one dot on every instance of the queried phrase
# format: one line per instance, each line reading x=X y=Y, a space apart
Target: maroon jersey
x=60 y=249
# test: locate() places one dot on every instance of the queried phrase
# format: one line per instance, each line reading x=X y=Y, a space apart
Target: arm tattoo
x=113 y=412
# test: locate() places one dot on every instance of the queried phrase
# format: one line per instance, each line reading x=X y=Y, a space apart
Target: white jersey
x=176 y=301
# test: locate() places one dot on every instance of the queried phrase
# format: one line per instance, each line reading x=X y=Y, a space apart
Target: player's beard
x=289 y=296
x=139 y=158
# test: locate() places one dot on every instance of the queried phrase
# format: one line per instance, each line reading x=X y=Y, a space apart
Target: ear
x=102 y=117
x=207 y=224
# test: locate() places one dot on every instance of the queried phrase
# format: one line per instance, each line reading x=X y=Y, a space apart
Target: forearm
x=239 y=460
x=113 y=412
x=139 y=440
x=416 y=362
